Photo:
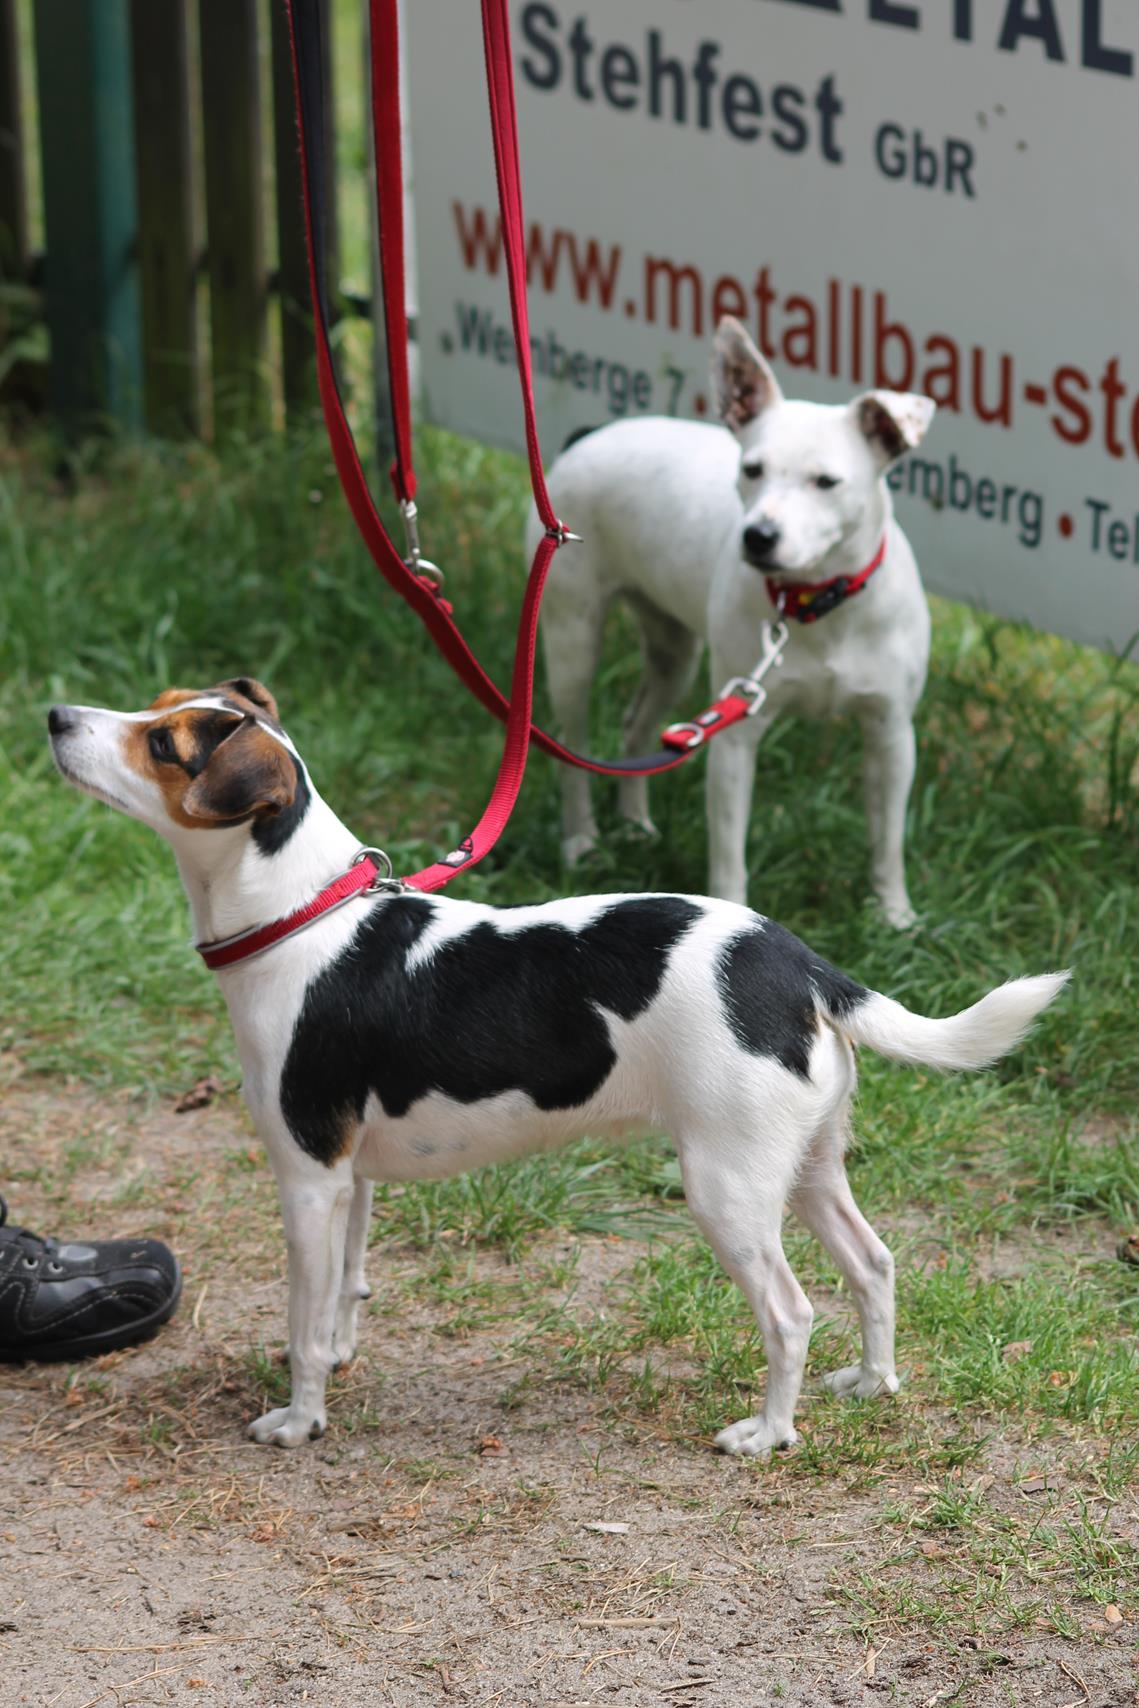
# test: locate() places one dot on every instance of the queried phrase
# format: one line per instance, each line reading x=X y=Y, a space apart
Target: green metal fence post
x=83 y=72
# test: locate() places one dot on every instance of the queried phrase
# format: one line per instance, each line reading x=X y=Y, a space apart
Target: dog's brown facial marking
x=212 y=766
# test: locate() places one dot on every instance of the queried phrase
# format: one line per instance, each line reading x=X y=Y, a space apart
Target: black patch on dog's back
x=772 y=985
x=486 y=1012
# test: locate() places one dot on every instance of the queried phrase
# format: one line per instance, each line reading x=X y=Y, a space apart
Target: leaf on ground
x=199 y=1096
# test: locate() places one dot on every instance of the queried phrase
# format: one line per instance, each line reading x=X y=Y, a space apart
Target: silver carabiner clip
x=414 y=558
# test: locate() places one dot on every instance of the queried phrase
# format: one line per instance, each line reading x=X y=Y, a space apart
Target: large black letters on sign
x=486 y=1012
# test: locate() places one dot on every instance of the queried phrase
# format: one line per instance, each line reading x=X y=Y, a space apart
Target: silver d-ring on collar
x=385 y=878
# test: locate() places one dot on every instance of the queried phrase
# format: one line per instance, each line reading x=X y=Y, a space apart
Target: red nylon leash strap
x=420 y=592
x=388 y=151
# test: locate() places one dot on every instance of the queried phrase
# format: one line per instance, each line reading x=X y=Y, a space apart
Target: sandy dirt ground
x=435 y=1548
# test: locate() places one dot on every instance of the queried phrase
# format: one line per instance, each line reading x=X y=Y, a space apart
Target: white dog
x=704 y=533
x=399 y=1036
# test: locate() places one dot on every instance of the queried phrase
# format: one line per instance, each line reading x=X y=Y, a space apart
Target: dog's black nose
x=760 y=540
x=59 y=720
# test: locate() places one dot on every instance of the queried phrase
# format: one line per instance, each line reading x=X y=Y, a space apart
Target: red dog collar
x=363 y=875
x=806 y=602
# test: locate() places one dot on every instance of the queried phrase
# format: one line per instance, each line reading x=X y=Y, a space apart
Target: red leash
x=416 y=580
x=421 y=589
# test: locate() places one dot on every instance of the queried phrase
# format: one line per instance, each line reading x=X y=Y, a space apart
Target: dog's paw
x=855 y=1383
x=753 y=1438
x=900 y=914
x=344 y=1337
x=575 y=848
x=638 y=827
x=286 y=1428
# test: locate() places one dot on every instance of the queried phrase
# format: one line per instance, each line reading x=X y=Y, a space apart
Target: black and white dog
x=407 y=1037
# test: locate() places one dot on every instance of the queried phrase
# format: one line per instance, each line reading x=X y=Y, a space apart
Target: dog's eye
x=754 y=471
x=162 y=745
x=825 y=482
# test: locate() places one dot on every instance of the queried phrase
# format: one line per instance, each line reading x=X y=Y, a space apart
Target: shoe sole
x=92 y=1345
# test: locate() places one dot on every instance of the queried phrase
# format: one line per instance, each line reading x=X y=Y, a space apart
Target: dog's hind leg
x=740 y=1218
x=824 y=1203
x=315 y=1203
x=354 y=1284
x=571 y=638
x=671 y=653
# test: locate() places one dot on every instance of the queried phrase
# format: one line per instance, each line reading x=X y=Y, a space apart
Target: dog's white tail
x=971 y=1039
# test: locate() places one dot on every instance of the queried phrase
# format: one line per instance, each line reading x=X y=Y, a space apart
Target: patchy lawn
x=550 y=1346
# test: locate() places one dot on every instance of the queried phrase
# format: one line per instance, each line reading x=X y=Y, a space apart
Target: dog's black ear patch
x=272 y=831
x=486 y=1012
x=772 y=986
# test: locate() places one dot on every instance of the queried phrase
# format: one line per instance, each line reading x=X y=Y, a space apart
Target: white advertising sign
x=928 y=195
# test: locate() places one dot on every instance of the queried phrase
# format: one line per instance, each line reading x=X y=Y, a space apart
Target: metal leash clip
x=414 y=559
x=774 y=637
x=385 y=878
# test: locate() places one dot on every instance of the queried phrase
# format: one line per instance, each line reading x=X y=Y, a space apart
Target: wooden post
x=298 y=351
x=167 y=258
x=13 y=201
x=91 y=276
x=231 y=129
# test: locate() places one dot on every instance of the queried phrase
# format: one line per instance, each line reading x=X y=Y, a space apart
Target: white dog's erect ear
x=741 y=378
x=893 y=422
x=248 y=772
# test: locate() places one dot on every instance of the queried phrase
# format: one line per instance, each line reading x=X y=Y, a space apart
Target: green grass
x=174 y=566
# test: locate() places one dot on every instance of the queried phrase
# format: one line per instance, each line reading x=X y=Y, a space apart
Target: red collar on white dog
x=363 y=875
x=806 y=602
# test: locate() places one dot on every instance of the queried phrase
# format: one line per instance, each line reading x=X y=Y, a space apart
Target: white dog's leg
x=743 y=1229
x=729 y=784
x=353 y=1285
x=315 y=1203
x=889 y=758
x=671 y=653
x=824 y=1203
x=572 y=641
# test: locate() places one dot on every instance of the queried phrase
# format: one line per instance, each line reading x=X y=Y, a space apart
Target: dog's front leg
x=315 y=1202
x=889 y=757
x=353 y=1285
x=728 y=790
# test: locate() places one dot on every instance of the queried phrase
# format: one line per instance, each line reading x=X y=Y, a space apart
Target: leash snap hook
x=385 y=878
x=414 y=558
x=774 y=637
x=562 y=534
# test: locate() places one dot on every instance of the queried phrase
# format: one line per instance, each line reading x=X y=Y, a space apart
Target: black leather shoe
x=78 y=1299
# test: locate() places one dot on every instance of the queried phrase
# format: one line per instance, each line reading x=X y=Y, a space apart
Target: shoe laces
x=24 y=1236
